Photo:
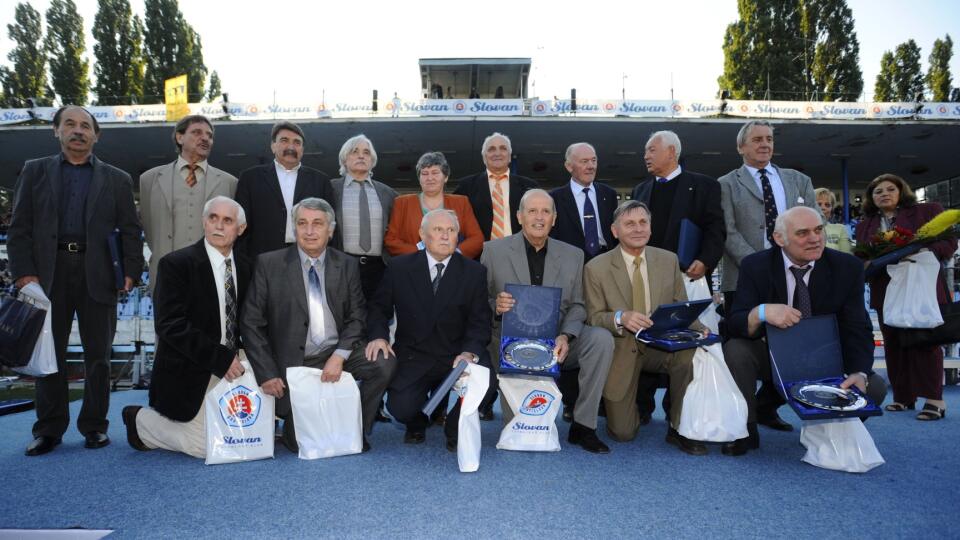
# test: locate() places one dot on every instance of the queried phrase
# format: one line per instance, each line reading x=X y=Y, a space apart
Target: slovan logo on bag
x=240 y=407
x=536 y=403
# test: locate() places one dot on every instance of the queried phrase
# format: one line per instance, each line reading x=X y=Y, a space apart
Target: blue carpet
x=643 y=488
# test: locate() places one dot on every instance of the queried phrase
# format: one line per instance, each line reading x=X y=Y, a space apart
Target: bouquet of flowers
x=890 y=246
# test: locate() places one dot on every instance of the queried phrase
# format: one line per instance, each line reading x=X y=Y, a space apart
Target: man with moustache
x=65 y=209
x=268 y=192
x=197 y=303
x=172 y=196
x=584 y=207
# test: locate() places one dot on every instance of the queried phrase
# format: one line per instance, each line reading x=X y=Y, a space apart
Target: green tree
x=938 y=74
x=28 y=78
x=65 y=45
x=835 y=69
x=192 y=64
x=883 y=88
x=907 y=77
x=171 y=47
x=136 y=70
x=215 y=86
x=119 y=54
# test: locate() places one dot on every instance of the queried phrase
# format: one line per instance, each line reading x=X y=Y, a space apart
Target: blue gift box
x=535 y=316
x=670 y=318
x=809 y=353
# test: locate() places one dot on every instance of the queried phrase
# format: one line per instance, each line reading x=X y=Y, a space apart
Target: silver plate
x=828 y=397
x=529 y=354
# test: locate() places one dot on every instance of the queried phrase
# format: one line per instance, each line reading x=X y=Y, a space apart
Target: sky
x=301 y=52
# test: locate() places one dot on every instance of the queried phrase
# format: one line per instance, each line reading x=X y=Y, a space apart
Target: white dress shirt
x=288 y=184
x=581 y=199
x=792 y=281
x=432 y=265
x=219 y=267
x=776 y=184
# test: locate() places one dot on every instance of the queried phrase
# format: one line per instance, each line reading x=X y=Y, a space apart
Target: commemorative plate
x=529 y=354
x=828 y=396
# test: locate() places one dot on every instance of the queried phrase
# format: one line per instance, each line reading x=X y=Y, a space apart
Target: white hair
x=745 y=130
x=315 y=203
x=348 y=147
x=668 y=138
x=780 y=226
x=533 y=193
x=494 y=135
x=439 y=212
x=572 y=147
x=208 y=206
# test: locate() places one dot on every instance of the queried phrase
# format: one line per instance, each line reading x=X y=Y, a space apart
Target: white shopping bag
x=239 y=420
x=713 y=407
x=326 y=416
x=911 y=300
x=536 y=401
x=43 y=361
x=699 y=290
x=471 y=389
x=842 y=444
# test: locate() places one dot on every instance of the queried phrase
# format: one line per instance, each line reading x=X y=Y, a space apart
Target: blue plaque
x=528 y=331
x=806 y=363
x=671 y=327
x=688 y=243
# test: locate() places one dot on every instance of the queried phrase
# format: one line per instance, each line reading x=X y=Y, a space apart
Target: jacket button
x=301 y=347
x=306 y=324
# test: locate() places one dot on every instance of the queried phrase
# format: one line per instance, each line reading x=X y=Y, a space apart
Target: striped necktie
x=499 y=207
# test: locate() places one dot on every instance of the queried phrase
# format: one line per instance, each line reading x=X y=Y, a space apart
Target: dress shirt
x=219 y=266
x=536 y=261
x=330 y=335
x=776 y=184
x=200 y=173
x=792 y=281
x=628 y=260
x=288 y=183
x=73 y=200
x=579 y=197
x=676 y=172
x=505 y=188
x=351 y=217
x=432 y=265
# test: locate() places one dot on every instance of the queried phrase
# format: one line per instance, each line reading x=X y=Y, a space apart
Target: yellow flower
x=939 y=224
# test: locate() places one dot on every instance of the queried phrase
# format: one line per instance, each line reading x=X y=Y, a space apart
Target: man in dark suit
x=495 y=193
x=443 y=317
x=584 y=207
x=65 y=208
x=196 y=302
x=797 y=278
x=674 y=194
x=268 y=192
x=305 y=308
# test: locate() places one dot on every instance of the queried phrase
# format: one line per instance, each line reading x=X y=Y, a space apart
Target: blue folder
x=536 y=316
x=688 y=243
x=115 y=243
x=672 y=317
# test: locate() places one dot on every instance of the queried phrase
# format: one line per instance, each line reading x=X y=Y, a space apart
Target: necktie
x=364 y=240
x=315 y=301
x=499 y=208
x=801 y=294
x=230 y=305
x=639 y=288
x=769 y=205
x=591 y=239
x=661 y=180
x=191 y=174
x=436 y=278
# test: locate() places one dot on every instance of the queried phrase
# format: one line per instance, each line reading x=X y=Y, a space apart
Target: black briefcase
x=20 y=325
x=945 y=334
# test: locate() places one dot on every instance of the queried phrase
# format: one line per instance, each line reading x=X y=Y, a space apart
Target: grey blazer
x=742 y=204
x=275 y=318
x=506 y=262
x=384 y=192
x=156 y=209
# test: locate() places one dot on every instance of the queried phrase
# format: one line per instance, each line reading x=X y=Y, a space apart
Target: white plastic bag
x=471 y=388
x=713 y=407
x=911 y=300
x=536 y=401
x=239 y=420
x=842 y=444
x=698 y=290
x=43 y=361
x=326 y=416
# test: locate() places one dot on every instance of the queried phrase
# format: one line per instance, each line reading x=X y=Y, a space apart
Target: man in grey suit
x=531 y=257
x=752 y=197
x=65 y=209
x=172 y=195
x=363 y=206
x=305 y=308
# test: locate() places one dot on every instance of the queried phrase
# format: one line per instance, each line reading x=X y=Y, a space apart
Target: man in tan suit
x=172 y=195
x=622 y=287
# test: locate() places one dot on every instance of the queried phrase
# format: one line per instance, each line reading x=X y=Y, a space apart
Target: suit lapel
x=208 y=283
x=551 y=267
x=165 y=179
x=779 y=276
x=570 y=211
x=820 y=284
x=621 y=277
x=272 y=182
x=449 y=281
x=303 y=181
x=295 y=280
x=420 y=277
x=790 y=191
x=56 y=181
x=644 y=190
x=518 y=259
x=746 y=180
x=213 y=180
x=331 y=286
x=96 y=186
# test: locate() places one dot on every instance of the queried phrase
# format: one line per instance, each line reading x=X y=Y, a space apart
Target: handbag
x=911 y=297
x=714 y=410
x=20 y=325
x=945 y=334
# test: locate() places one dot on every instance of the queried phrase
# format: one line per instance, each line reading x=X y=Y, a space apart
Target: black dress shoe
x=586 y=438
x=414 y=437
x=366 y=445
x=439 y=418
x=95 y=439
x=130 y=420
x=41 y=445
x=451 y=444
x=568 y=413
x=740 y=447
x=644 y=419
x=774 y=422
x=382 y=415
x=486 y=414
x=690 y=446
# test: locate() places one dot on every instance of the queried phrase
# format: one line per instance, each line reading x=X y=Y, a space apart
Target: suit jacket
x=258 y=192
x=276 y=317
x=32 y=236
x=386 y=195
x=506 y=262
x=836 y=286
x=187 y=309
x=568 y=227
x=697 y=199
x=911 y=218
x=403 y=233
x=156 y=209
x=431 y=328
x=743 y=213
x=607 y=289
x=476 y=187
